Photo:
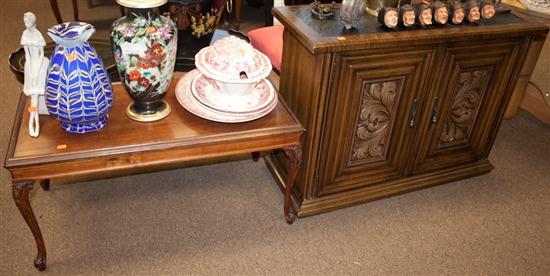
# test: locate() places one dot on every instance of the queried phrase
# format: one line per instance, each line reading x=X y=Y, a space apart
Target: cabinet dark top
x=330 y=35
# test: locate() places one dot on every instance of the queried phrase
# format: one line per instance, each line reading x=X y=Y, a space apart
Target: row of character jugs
x=74 y=87
x=427 y=13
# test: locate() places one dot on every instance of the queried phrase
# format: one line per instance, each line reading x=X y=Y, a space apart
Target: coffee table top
x=121 y=135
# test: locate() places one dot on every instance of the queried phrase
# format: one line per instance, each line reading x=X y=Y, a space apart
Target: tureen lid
x=141 y=4
x=234 y=60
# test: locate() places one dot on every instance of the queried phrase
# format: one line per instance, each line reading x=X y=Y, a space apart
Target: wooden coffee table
x=126 y=145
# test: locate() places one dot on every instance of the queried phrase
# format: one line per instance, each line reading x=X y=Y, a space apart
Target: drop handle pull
x=412 y=115
x=434 y=118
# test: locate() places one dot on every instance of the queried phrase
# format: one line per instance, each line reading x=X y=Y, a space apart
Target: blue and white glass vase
x=144 y=47
x=78 y=92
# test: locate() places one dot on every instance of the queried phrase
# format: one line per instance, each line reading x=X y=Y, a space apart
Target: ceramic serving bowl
x=234 y=65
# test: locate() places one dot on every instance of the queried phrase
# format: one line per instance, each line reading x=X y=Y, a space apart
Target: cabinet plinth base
x=322 y=204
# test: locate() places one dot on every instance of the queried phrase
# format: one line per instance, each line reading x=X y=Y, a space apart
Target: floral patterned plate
x=208 y=93
x=186 y=99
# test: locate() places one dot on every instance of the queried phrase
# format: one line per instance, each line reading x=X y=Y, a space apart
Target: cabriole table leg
x=295 y=155
x=21 y=197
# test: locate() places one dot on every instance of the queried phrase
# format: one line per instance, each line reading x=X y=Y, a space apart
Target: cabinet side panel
x=515 y=70
x=304 y=80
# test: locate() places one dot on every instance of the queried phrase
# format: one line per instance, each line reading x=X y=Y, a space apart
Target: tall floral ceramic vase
x=144 y=46
x=78 y=91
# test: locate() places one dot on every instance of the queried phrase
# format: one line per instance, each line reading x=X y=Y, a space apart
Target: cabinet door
x=372 y=100
x=464 y=117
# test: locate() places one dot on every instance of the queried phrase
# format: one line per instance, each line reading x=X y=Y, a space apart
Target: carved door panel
x=372 y=99
x=464 y=109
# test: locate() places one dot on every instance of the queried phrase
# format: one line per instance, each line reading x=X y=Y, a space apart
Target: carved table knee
x=295 y=155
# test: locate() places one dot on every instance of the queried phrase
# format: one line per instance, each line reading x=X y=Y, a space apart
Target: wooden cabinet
x=391 y=112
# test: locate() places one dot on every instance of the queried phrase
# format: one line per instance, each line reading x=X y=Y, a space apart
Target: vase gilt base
x=148 y=115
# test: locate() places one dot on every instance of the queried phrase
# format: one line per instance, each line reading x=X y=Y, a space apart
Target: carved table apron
x=179 y=138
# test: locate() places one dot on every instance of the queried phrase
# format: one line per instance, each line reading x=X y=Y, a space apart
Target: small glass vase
x=144 y=47
x=351 y=12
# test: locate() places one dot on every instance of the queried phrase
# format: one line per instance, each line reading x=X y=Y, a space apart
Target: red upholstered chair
x=269 y=40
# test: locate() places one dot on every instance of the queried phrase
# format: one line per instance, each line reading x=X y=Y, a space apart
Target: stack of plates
x=230 y=84
x=201 y=96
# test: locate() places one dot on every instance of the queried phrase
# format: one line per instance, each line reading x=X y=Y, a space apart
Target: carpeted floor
x=226 y=218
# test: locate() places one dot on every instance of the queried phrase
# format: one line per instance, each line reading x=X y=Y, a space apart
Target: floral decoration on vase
x=144 y=46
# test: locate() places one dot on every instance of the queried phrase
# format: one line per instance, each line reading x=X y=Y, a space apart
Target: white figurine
x=36 y=69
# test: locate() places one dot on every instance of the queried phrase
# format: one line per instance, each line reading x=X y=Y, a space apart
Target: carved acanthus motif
x=465 y=106
x=376 y=113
